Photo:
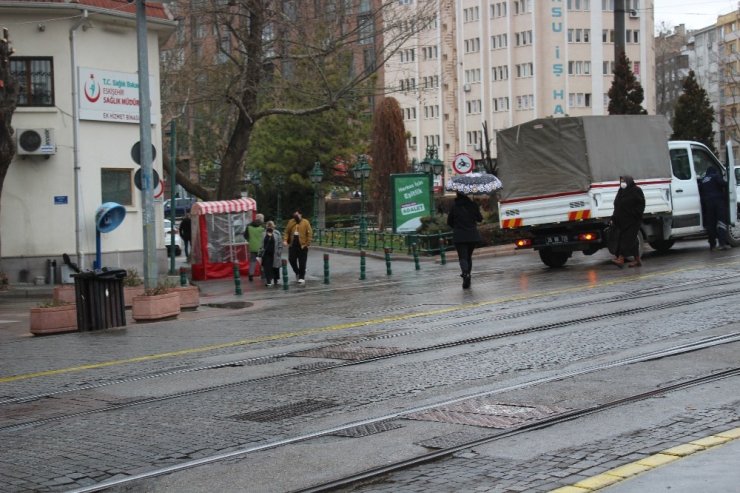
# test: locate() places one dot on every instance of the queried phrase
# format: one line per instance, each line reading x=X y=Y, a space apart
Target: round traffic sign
x=137 y=178
x=463 y=163
x=136 y=152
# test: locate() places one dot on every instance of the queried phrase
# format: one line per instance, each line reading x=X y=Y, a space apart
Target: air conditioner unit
x=634 y=14
x=36 y=141
x=476 y=147
x=466 y=87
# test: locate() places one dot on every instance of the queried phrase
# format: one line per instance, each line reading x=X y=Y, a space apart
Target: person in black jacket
x=462 y=219
x=629 y=206
x=713 y=193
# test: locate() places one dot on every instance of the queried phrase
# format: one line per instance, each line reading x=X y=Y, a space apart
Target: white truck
x=561 y=175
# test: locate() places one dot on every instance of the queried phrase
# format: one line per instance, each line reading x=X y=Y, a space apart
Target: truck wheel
x=553 y=259
x=733 y=233
x=661 y=246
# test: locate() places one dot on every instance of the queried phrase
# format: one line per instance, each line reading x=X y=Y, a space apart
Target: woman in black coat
x=629 y=205
x=462 y=219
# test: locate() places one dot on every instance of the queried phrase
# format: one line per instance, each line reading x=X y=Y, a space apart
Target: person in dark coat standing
x=462 y=219
x=186 y=234
x=629 y=206
x=713 y=193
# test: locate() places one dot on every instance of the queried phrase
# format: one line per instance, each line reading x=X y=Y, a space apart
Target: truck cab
x=689 y=164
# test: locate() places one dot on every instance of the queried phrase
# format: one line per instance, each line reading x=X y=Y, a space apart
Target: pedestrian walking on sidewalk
x=629 y=206
x=271 y=254
x=254 y=234
x=713 y=193
x=465 y=235
x=298 y=236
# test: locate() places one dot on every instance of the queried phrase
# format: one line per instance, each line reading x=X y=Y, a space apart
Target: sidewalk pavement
x=344 y=267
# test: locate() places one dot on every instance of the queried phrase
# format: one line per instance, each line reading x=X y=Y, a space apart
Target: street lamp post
x=280 y=182
x=433 y=167
x=361 y=171
x=316 y=176
x=254 y=178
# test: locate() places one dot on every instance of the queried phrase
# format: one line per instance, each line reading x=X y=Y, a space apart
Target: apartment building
x=729 y=72
x=506 y=62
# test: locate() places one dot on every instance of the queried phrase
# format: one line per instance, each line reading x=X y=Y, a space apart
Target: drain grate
x=488 y=414
x=368 y=429
x=233 y=305
x=287 y=411
x=350 y=353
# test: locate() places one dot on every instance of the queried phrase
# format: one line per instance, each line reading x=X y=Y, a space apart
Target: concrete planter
x=157 y=307
x=53 y=319
x=65 y=293
x=129 y=292
x=189 y=297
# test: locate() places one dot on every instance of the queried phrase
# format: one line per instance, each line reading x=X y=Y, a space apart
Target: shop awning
x=223 y=206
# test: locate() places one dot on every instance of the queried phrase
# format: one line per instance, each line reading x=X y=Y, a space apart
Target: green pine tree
x=693 y=114
x=626 y=93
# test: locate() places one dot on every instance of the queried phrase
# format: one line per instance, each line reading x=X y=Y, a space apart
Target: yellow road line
x=649 y=463
x=338 y=327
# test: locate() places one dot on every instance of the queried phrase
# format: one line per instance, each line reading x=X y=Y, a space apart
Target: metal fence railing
x=380 y=240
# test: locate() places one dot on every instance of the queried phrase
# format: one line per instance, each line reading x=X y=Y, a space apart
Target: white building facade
x=77 y=66
x=505 y=62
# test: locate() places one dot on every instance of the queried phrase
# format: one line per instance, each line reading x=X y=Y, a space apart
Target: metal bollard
x=237 y=280
x=326 y=268
x=362 y=265
x=442 y=253
x=183 y=276
x=388 y=270
x=285 y=274
x=416 y=256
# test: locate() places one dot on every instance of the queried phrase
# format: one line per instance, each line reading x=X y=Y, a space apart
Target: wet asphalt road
x=107 y=405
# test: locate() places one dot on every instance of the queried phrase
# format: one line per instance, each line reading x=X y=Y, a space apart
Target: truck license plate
x=552 y=240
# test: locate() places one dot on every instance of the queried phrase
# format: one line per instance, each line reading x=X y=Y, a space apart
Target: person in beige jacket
x=298 y=236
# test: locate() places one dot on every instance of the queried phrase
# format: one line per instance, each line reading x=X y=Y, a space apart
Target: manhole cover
x=453 y=439
x=349 y=353
x=488 y=414
x=318 y=365
x=283 y=412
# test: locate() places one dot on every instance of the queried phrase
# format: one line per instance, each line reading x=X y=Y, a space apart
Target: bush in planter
x=53 y=317
x=431 y=226
x=157 y=303
x=133 y=285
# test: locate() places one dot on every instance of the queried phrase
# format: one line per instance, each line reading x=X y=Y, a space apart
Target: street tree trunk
x=8 y=101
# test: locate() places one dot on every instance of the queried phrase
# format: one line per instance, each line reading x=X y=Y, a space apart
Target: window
x=35 y=76
x=579 y=100
x=366 y=29
x=472 y=14
x=115 y=185
x=472 y=45
x=473 y=106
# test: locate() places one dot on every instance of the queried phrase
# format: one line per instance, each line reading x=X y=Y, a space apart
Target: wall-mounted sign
x=112 y=96
x=61 y=200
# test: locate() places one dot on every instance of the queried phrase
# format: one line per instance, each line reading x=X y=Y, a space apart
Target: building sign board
x=110 y=96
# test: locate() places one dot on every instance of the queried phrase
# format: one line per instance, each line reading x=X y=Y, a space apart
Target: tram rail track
x=340 y=364
x=377 y=472
x=642 y=293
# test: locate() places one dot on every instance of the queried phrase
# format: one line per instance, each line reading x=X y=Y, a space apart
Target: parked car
x=179 y=246
x=182 y=206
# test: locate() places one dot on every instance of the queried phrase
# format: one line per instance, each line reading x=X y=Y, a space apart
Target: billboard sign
x=411 y=200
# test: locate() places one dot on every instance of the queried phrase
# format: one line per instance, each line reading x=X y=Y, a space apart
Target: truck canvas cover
x=564 y=155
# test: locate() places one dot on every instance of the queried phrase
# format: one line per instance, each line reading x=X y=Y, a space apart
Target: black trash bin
x=99 y=299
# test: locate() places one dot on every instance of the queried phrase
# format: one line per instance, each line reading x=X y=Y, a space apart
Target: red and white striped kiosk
x=218 y=237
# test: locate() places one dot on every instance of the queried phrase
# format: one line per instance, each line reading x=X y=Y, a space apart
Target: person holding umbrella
x=465 y=235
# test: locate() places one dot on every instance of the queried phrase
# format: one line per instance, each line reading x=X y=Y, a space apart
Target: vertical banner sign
x=411 y=200
x=555 y=40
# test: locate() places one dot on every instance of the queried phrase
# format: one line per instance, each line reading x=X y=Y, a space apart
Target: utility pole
x=151 y=274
